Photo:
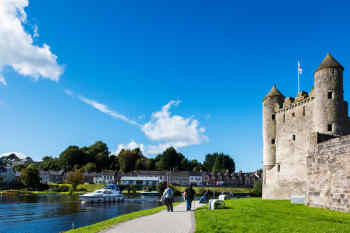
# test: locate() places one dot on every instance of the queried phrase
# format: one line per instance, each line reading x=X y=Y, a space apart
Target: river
x=57 y=213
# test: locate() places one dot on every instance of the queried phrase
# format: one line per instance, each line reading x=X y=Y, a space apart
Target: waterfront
x=57 y=213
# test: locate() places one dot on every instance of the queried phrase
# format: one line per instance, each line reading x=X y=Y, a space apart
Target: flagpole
x=298 y=82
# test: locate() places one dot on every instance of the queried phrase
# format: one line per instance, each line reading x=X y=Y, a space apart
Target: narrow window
x=278 y=167
x=293 y=114
x=304 y=111
x=330 y=95
x=273 y=141
x=284 y=118
x=329 y=127
x=293 y=137
x=273 y=117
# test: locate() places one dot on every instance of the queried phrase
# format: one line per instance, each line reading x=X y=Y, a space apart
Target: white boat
x=110 y=193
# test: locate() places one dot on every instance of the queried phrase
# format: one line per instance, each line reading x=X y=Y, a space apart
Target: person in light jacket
x=168 y=198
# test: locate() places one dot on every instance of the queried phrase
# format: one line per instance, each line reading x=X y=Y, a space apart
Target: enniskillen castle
x=307 y=142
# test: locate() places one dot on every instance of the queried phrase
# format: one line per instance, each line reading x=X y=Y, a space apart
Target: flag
x=300 y=70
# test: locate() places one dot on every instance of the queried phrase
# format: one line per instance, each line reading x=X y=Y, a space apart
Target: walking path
x=178 y=221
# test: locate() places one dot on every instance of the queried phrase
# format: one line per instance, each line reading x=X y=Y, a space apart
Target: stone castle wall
x=294 y=125
x=328 y=174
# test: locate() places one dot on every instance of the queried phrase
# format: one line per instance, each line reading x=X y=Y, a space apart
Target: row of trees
x=96 y=157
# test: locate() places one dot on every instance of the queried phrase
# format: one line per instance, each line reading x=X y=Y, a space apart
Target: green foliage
x=90 y=167
x=75 y=178
x=72 y=156
x=30 y=177
x=257 y=189
x=254 y=215
x=49 y=163
x=59 y=188
x=219 y=162
x=128 y=158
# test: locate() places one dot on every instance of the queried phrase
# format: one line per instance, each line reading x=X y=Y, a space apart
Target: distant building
x=7 y=174
x=51 y=177
x=105 y=177
x=196 y=178
x=184 y=178
x=140 y=180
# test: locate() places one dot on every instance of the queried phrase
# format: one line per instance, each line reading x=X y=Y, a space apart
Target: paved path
x=178 y=221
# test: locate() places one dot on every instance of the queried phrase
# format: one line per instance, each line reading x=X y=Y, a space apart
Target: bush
x=59 y=188
x=257 y=189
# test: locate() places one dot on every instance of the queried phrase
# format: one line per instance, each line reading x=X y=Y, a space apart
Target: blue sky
x=201 y=68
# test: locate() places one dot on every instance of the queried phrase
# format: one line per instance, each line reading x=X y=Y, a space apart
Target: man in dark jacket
x=189 y=196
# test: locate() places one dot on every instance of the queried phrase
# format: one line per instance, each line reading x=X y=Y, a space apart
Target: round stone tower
x=273 y=98
x=329 y=107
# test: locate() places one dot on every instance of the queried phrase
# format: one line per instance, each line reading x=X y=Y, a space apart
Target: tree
x=169 y=159
x=219 y=162
x=257 y=188
x=150 y=164
x=75 y=178
x=30 y=177
x=50 y=163
x=72 y=156
x=128 y=158
x=98 y=153
x=114 y=163
x=90 y=167
x=140 y=164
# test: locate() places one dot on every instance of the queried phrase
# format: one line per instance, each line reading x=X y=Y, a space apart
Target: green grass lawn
x=260 y=216
x=113 y=221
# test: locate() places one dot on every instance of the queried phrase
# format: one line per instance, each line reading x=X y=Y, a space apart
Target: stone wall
x=328 y=172
x=294 y=126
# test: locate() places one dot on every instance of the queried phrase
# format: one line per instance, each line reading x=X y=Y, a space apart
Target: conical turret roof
x=330 y=62
x=273 y=92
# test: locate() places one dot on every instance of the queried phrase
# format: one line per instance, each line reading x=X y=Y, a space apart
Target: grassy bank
x=113 y=221
x=261 y=216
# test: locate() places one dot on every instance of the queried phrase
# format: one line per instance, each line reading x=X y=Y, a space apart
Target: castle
x=307 y=142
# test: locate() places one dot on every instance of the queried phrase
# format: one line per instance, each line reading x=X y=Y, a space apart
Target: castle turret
x=273 y=98
x=329 y=109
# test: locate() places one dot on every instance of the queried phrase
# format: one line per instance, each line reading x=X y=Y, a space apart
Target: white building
x=104 y=178
x=140 y=180
x=196 y=179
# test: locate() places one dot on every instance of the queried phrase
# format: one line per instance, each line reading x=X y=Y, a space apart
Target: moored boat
x=110 y=193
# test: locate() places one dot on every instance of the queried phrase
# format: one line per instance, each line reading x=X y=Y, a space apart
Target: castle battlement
x=291 y=105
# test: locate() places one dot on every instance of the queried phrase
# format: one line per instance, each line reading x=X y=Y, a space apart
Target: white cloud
x=165 y=128
x=2 y=80
x=16 y=45
x=173 y=129
x=18 y=154
x=103 y=108
x=132 y=145
x=68 y=92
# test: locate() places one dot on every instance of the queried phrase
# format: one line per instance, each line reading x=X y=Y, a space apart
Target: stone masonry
x=306 y=149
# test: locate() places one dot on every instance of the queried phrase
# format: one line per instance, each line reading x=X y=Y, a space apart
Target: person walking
x=168 y=198
x=189 y=196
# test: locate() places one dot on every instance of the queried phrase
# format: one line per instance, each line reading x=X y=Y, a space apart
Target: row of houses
x=185 y=178
x=144 y=178
x=7 y=175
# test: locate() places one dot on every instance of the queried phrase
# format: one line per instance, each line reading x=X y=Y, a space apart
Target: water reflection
x=56 y=213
